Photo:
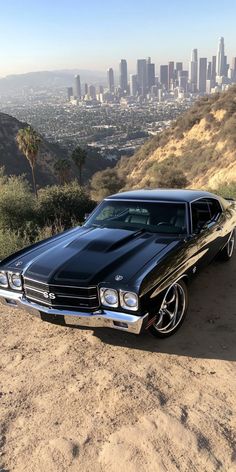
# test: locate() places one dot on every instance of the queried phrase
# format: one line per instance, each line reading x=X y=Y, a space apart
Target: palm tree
x=28 y=142
x=79 y=157
x=62 y=168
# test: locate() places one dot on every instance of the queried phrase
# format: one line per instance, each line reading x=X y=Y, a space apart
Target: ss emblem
x=52 y=296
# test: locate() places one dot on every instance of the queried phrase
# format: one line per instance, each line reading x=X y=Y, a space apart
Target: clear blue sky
x=95 y=34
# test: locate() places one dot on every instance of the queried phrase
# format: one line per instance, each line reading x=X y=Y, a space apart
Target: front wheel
x=172 y=311
x=227 y=252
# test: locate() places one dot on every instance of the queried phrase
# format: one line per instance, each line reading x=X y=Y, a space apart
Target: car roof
x=170 y=195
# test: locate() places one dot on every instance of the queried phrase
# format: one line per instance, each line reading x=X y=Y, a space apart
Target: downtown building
x=123 y=82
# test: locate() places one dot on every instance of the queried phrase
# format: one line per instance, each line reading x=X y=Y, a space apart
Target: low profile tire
x=227 y=252
x=172 y=312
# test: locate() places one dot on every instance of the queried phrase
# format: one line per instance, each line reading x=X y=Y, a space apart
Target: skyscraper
x=193 y=70
x=110 y=80
x=142 y=76
x=202 y=75
x=171 y=71
x=179 y=67
x=69 y=93
x=123 y=75
x=234 y=68
x=150 y=75
x=92 y=92
x=220 y=59
x=77 y=91
x=164 y=76
x=213 y=71
x=133 y=85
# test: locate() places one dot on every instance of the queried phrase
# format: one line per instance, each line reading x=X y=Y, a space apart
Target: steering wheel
x=162 y=223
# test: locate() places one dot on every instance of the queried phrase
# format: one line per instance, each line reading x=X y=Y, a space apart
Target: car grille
x=61 y=296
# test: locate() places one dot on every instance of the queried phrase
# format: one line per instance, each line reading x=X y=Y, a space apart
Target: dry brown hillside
x=202 y=143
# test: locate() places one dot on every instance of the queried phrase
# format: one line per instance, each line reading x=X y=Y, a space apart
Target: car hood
x=88 y=256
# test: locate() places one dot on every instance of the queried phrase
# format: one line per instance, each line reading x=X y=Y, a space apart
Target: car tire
x=172 y=311
x=226 y=253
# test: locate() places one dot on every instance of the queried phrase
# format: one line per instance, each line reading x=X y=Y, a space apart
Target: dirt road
x=82 y=400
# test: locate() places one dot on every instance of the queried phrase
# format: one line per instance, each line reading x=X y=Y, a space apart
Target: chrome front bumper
x=99 y=318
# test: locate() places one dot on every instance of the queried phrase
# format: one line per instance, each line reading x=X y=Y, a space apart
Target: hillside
x=15 y=163
x=201 y=143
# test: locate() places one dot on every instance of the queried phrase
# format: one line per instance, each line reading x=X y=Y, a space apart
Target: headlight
x=3 y=280
x=109 y=297
x=15 y=281
x=129 y=300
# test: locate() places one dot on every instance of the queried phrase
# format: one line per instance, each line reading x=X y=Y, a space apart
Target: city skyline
x=66 y=37
x=203 y=76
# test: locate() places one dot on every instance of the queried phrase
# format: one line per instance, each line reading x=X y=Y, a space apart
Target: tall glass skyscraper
x=193 y=69
x=77 y=91
x=220 y=58
x=110 y=80
x=123 y=75
x=142 y=76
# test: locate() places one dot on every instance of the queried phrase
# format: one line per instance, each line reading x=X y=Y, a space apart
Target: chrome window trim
x=202 y=198
x=154 y=201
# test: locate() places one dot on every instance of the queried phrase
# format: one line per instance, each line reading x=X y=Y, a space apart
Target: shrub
x=105 y=183
x=12 y=241
x=17 y=203
x=168 y=175
x=60 y=207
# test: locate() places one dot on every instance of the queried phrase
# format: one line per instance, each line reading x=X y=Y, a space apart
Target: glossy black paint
x=148 y=262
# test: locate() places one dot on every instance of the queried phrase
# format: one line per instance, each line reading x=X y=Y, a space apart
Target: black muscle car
x=128 y=267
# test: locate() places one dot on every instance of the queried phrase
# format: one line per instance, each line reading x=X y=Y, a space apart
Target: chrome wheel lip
x=230 y=244
x=180 y=298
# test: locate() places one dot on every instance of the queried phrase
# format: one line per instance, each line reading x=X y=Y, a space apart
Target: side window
x=201 y=214
x=215 y=209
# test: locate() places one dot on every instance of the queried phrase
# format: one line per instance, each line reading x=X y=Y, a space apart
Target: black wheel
x=172 y=311
x=227 y=252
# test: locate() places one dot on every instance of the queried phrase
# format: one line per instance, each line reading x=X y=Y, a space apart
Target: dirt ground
x=82 y=400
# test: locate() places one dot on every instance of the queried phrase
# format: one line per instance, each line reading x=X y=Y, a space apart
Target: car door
x=206 y=217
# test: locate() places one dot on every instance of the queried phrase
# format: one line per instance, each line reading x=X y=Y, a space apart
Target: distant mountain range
x=48 y=79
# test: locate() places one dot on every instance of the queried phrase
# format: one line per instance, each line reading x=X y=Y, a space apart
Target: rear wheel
x=227 y=251
x=172 y=311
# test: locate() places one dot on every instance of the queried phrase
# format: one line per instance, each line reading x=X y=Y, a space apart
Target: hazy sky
x=95 y=34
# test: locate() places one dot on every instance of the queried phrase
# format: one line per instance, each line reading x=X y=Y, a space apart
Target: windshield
x=159 y=217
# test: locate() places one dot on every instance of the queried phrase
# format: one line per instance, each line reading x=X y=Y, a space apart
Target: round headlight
x=130 y=300
x=111 y=297
x=15 y=281
x=3 y=279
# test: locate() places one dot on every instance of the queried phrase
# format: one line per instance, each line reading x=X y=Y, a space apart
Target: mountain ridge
x=16 y=163
x=201 y=143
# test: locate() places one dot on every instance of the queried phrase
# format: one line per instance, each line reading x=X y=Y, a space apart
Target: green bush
x=226 y=190
x=12 y=241
x=105 y=183
x=167 y=174
x=17 y=203
x=62 y=206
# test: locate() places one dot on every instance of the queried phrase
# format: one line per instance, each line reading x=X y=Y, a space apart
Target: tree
x=105 y=183
x=79 y=157
x=62 y=168
x=28 y=142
